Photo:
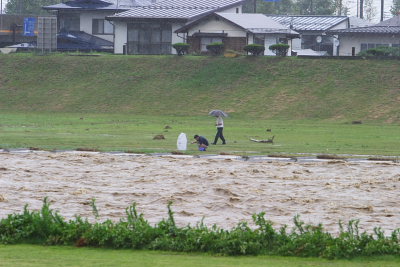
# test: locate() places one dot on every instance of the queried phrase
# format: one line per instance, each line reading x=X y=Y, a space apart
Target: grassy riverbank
x=135 y=133
x=246 y=87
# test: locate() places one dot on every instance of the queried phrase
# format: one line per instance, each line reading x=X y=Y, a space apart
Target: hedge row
x=217 y=48
x=50 y=228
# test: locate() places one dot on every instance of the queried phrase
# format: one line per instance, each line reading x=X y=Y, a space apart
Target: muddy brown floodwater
x=224 y=191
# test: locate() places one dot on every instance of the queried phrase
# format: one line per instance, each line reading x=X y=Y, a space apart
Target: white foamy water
x=223 y=191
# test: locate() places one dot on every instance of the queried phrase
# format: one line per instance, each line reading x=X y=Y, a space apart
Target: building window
x=151 y=38
x=209 y=40
x=259 y=39
x=365 y=46
x=69 y=22
x=102 y=26
x=396 y=45
x=237 y=10
x=282 y=41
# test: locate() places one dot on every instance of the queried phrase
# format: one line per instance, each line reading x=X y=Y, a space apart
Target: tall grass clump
x=48 y=227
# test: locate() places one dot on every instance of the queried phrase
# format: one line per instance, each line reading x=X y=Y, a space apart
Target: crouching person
x=202 y=142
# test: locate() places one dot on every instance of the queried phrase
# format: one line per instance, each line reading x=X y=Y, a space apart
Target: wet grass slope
x=263 y=87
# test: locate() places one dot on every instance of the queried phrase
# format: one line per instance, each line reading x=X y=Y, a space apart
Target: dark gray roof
x=254 y=23
x=395 y=21
x=98 y=5
x=371 y=30
x=176 y=9
x=160 y=13
x=309 y=23
x=208 y=4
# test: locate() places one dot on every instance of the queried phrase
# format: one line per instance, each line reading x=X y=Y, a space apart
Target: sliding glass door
x=149 y=38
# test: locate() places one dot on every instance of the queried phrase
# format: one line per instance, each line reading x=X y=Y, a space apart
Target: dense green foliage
x=181 y=48
x=279 y=49
x=48 y=227
x=395 y=8
x=29 y=7
x=295 y=7
x=254 y=49
x=381 y=51
x=215 y=48
x=278 y=88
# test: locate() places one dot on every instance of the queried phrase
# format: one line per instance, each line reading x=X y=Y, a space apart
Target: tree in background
x=316 y=7
x=369 y=10
x=395 y=9
x=277 y=7
x=294 y=7
x=29 y=7
x=341 y=8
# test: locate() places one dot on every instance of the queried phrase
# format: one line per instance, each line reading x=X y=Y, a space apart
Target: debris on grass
x=87 y=149
x=325 y=156
x=159 y=137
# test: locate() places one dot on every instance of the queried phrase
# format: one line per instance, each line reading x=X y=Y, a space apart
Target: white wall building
x=236 y=30
x=151 y=29
x=354 y=40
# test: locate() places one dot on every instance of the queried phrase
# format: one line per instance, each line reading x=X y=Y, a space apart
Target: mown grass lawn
x=35 y=255
x=134 y=133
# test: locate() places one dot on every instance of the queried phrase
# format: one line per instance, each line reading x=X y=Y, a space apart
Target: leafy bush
x=48 y=227
x=215 y=48
x=279 y=49
x=381 y=51
x=181 y=48
x=254 y=49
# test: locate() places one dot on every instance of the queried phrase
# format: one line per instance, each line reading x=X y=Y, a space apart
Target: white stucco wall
x=218 y=26
x=273 y=39
x=296 y=44
x=177 y=38
x=342 y=25
x=86 y=23
x=121 y=34
x=347 y=42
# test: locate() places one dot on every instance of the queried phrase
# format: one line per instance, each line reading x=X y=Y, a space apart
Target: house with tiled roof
x=354 y=40
x=312 y=29
x=152 y=29
x=235 y=30
x=82 y=24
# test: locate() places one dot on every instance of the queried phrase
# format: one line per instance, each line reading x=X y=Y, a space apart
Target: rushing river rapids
x=223 y=190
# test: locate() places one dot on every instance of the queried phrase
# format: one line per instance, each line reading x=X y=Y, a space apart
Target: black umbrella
x=217 y=113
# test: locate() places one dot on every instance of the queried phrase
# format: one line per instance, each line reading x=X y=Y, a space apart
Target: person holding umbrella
x=219 y=124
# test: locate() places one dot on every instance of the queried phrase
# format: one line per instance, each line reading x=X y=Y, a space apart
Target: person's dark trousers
x=219 y=135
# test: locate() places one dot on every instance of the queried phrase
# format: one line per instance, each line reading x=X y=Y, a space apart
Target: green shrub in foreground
x=382 y=51
x=48 y=227
x=181 y=48
x=215 y=48
x=254 y=49
x=279 y=49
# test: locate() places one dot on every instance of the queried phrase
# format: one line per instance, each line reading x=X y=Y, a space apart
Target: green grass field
x=33 y=255
x=134 y=133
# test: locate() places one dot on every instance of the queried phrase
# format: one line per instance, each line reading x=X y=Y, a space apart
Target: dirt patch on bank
x=223 y=191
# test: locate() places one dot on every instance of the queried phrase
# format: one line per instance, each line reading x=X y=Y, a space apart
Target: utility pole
x=361 y=9
x=382 y=8
x=254 y=6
